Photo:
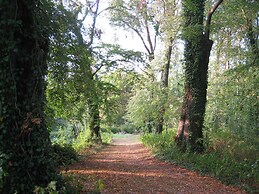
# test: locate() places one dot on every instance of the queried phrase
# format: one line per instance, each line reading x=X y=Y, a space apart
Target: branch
x=139 y=35
x=143 y=41
x=208 y=21
x=148 y=37
x=94 y=23
x=98 y=69
x=107 y=9
x=83 y=19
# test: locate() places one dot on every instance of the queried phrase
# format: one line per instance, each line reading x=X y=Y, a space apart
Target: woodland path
x=126 y=166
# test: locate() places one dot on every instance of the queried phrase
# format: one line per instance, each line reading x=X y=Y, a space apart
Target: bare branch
x=140 y=36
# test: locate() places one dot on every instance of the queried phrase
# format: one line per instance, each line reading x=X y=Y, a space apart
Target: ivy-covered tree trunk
x=95 y=122
x=93 y=101
x=196 y=55
x=25 y=147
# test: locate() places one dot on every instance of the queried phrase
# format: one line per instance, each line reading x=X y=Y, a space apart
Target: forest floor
x=126 y=166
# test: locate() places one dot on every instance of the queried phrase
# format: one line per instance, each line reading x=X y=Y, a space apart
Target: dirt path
x=126 y=166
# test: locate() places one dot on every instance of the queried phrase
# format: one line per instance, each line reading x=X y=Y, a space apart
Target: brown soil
x=126 y=166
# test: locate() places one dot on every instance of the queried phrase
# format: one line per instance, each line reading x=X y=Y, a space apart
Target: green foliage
x=99 y=186
x=63 y=132
x=125 y=128
x=50 y=189
x=106 y=134
x=158 y=141
x=218 y=161
x=82 y=141
x=53 y=187
x=115 y=129
x=123 y=10
x=142 y=108
x=77 y=91
x=115 y=103
x=233 y=104
x=95 y=186
x=64 y=154
x=233 y=44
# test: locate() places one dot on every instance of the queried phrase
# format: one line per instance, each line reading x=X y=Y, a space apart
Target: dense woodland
x=190 y=87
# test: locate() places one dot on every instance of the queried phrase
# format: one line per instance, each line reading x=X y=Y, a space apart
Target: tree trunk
x=91 y=93
x=189 y=133
x=164 y=88
x=197 y=52
x=94 y=122
x=253 y=43
x=25 y=146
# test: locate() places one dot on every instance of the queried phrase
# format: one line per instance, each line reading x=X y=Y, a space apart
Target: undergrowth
x=223 y=159
x=66 y=154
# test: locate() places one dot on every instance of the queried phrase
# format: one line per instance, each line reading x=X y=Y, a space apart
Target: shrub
x=128 y=128
x=115 y=129
x=64 y=154
x=83 y=141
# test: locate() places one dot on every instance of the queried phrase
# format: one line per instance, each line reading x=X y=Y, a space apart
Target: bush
x=83 y=141
x=128 y=128
x=64 y=154
x=115 y=129
x=106 y=137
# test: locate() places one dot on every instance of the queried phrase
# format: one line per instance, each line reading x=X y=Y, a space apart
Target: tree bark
x=197 y=52
x=24 y=139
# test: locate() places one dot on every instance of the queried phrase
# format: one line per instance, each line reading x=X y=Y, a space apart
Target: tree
x=119 y=78
x=73 y=57
x=76 y=88
x=148 y=22
x=25 y=148
x=196 y=54
x=232 y=106
x=136 y=16
x=168 y=19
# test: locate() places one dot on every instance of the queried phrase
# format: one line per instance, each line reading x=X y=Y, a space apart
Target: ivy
x=24 y=139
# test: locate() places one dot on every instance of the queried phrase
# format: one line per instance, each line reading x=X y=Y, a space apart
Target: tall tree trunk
x=93 y=102
x=164 y=87
x=197 y=52
x=25 y=146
